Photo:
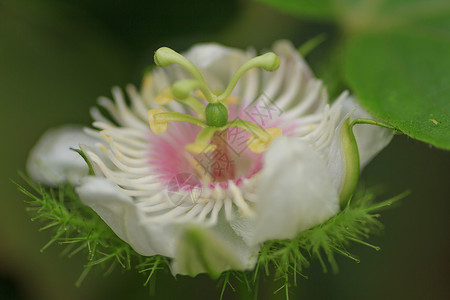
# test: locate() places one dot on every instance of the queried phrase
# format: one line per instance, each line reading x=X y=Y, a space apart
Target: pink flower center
x=232 y=160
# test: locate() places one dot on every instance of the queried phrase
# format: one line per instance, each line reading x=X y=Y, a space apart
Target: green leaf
x=396 y=59
x=398 y=64
x=402 y=76
x=81 y=231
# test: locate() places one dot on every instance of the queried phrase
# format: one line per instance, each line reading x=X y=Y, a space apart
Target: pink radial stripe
x=168 y=157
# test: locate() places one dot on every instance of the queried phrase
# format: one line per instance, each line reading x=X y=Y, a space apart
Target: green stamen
x=205 y=135
x=202 y=141
x=269 y=62
x=178 y=117
x=167 y=95
x=213 y=117
x=183 y=88
x=164 y=57
x=195 y=105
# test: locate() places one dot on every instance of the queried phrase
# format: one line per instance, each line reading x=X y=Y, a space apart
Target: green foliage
x=321 y=9
x=312 y=44
x=354 y=223
x=395 y=58
x=82 y=231
x=413 y=93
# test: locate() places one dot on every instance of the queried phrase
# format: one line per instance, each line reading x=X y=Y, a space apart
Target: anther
x=157 y=126
x=258 y=145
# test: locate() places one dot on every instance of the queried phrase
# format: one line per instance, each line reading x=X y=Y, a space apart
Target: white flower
x=163 y=199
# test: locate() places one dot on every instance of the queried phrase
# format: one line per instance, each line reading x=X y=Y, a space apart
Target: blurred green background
x=57 y=57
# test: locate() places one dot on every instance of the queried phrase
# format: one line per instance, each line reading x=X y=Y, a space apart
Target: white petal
x=295 y=191
x=171 y=239
x=331 y=147
x=51 y=161
x=124 y=217
x=244 y=227
x=208 y=54
x=216 y=60
x=370 y=139
x=285 y=47
x=212 y=250
x=328 y=140
x=298 y=92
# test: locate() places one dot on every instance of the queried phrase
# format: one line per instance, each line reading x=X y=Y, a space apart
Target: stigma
x=212 y=118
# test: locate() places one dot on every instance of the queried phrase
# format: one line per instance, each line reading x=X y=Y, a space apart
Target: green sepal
x=216 y=114
x=83 y=232
x=200 y=251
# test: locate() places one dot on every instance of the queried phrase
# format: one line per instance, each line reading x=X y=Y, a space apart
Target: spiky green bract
x=287 y=258
x=82 y=231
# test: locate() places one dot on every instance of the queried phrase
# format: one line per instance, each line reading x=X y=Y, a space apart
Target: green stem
x=311 y=44
x=178 y=117
x=205 y=135
x=165 y=56
x=195 y=105
x=372 y=122
x=182 y=89
x=351 y=154
x=351 y=157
